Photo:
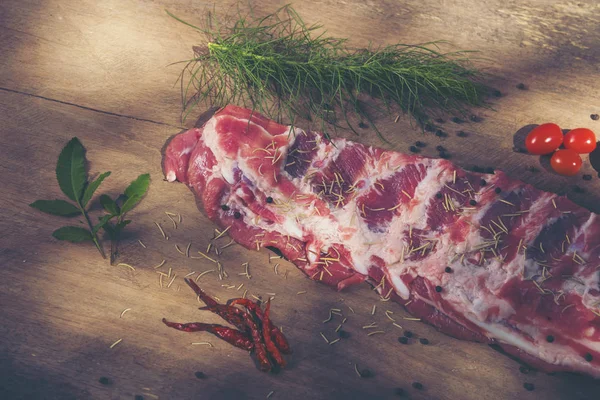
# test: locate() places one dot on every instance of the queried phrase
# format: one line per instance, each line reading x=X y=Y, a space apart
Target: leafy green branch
x=114 y=222
x=74 y=182
x=282 y=67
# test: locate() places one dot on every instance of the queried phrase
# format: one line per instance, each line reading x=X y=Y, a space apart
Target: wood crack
x=90 y=108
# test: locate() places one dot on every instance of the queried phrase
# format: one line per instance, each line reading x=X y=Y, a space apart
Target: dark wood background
x=101 y=71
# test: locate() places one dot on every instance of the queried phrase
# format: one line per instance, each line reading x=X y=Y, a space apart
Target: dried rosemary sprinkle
x=115 y=343
x=164 y=235
x=375 y=333
x=142 y=244
x=161 y=264
x=209 y=344
x=124 y=311
x=203 y=273
x=207 y=257
x=125 y=265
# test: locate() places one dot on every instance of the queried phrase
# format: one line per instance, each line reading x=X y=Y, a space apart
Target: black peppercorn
x=200 y=375
x=408 y=334
x=414 y=149
x=588 y=357
x=472 y=202
x=362 y=125
x=461 y=134
x=448 y=270
x=521 y=86
x=550 y=338
x=237 y=215
x=482 y=182
x=343 y=334
x=104 y=380
x=417 y=385
x=366 y=373
x=497 y=190
x=587 y=177
x=138 y=397
x=595 y=117
x=225 y=207
x=418 y=143
x=528 y=386
x=444 y=155
x=440 y=133
x=424 y=341
x=440 y=148
x=457 y=120
x=438 y=289
x=269 y=199
x=403 y=340
x=438 y=195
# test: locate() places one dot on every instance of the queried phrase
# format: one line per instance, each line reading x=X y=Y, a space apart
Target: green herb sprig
x=117 y=209
x=73 y=180
x=282 y=67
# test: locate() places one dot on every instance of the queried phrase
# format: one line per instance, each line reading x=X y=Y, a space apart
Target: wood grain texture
x=100 y=71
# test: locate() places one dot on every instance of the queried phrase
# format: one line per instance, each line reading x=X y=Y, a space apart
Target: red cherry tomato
x=582 y=140
x=544 y=139
x=566 y=162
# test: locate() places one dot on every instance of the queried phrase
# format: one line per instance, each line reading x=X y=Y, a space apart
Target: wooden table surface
x=100 y=70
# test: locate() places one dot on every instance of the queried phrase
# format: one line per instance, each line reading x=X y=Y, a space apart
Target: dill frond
x=284 y=69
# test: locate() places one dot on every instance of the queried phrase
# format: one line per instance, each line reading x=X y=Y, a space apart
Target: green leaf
x=103 y=220
x=70 y=170
x=56 y=207
x=110 y=230
x=130 y=203
x=135 y=192
x=138 y=187
x=122 y=224
x=73 y=234
x=91 y=188
x=109 y=205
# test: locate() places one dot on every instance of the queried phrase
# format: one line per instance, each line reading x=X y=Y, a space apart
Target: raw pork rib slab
x=480 y=256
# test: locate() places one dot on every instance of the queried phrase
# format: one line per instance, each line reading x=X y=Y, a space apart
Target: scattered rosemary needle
x=284 y=68
x=209 y=344
x=125 y=265
x=115 y=343
x=124 y=311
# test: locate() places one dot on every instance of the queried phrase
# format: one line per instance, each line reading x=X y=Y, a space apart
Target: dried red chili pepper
x=230 y=314
x=267 y=335
x=259 y=346
x=209 y=301
x=276 y=334
x=230 y=335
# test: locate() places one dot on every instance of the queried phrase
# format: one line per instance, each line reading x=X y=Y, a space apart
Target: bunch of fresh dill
x=283 y=68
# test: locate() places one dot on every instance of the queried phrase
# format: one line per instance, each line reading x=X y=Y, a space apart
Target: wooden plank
x=61 y=302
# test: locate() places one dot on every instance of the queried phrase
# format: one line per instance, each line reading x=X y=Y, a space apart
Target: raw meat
x=480 y=256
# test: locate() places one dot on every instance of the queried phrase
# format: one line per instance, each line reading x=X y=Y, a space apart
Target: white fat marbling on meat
x=472 y=289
